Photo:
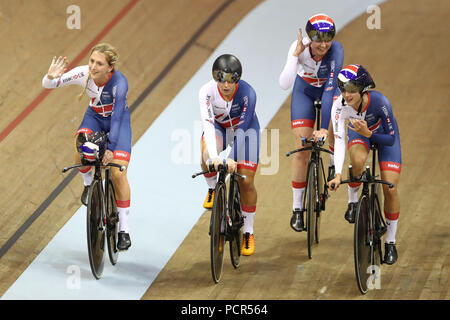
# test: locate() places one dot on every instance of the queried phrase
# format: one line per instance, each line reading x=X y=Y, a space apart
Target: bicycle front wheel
x=234 y=205
x=112 y=221
x=362 y=248
x=95 y=229
x=311 y=213
x=217 y=239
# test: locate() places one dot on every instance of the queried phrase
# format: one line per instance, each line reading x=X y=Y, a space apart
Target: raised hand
x=300 y=45
x=57 y=67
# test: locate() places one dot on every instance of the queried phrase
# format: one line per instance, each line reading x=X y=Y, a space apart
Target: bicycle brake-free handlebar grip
x=350 y=172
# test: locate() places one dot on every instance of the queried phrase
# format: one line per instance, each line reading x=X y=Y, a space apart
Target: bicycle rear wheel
x=112 y=221
x=234 y=204
x=380 y=229
x=217 y=239
x=322 y=198
x=311 y=213
x=95 y=230
x=363 y=251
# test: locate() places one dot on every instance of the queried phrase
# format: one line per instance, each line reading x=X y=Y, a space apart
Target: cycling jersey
x=380 y=120
x=313 y=79
x=232 y=122
x=108 y=110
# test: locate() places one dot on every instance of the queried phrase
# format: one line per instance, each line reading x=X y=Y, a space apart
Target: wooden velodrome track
x=407 y=58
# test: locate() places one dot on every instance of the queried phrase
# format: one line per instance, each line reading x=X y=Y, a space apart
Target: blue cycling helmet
x=320 y=27
x=355 y=78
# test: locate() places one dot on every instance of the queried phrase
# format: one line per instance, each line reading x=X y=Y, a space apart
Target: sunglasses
x=348 y=86
x=221 y=76
x=319 y=36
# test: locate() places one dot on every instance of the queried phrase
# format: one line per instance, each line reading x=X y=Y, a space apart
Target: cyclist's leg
x=246 y=152
x=358 y=147
x=211 y=178
x=331 y=170
x=303 y=116
x=390 y=165
x=87 y=126
x=121 y=156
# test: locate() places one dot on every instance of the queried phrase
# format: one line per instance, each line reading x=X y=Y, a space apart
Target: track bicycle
x=226 y=223
x=316 y=190
x=102 y=219
x=369 y=227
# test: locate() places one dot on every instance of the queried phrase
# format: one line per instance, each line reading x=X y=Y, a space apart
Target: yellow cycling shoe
x=248 y=244
x=208 y=204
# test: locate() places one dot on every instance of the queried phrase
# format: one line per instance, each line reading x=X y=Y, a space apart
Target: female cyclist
x=227 y=108
x=107 y=90
x=312 y=65
x=371 y=121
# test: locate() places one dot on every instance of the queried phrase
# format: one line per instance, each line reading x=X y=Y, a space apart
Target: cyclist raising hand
x=107 y=90
x=311 y=65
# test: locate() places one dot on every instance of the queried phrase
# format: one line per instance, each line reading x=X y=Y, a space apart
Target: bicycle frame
x=320 y=187
x=104 y=221
x=223 y=173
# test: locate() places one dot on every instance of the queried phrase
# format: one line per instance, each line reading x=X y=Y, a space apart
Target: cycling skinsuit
x=313 y=80
x=233 y=123
x=108 y=110
x=380 y=120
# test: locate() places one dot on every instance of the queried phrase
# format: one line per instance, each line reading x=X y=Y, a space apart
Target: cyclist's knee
x=357 y=161
x=390 y=193
x=118 y=176
x=301 y=157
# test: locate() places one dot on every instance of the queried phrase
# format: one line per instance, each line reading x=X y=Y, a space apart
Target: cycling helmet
x=355 y=78
x=227 y=68
x=320 y=27
x=91 y=146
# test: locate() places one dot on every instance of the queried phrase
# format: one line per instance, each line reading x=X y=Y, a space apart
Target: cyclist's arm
x=120 y=105
x=287 y=76
x=339 y=136
x=207 y=116
x=76 y=76
x=386 y=138
x=336 y=61
x=248 y=111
